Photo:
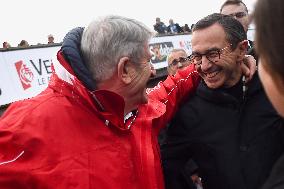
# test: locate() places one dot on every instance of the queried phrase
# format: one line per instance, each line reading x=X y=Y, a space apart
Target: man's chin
x=213 y=85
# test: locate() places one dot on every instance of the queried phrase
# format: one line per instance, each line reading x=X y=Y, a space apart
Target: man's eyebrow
x=212 y=49
x=208 y=50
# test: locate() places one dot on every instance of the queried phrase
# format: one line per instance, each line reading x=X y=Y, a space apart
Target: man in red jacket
x=96 y=125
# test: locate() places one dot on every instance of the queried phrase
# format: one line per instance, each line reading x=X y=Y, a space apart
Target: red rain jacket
x=61 y=139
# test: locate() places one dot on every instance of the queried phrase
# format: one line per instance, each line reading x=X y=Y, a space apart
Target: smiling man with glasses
x=229 y=128
x=218 y=59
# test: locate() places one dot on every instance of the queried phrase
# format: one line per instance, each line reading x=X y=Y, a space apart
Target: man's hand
x=196 y=179
x=249 y=67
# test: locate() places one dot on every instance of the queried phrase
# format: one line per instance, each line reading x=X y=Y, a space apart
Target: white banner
x=6 y=85
x=24 y=73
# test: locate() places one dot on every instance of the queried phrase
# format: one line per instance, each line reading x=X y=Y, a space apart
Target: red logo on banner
x=25 y=74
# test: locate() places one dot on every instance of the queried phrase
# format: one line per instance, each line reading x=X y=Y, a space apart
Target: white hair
x=109 y=38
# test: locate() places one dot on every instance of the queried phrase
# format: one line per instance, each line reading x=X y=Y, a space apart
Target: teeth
x=213 y=74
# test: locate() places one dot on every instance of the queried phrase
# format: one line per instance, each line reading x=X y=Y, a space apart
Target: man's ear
x=124 y=69
x=243 y=46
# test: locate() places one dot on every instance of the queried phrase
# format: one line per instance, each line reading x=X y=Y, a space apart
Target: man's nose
x=235 y=17
x=206 y=64
x=180 y=65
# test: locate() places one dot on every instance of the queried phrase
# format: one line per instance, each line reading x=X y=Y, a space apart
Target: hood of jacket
x=71 y=51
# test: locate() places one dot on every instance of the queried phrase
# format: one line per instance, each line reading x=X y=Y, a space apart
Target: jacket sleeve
x=276 y=179
x=12 y=173
x=173 y=91
x=177 y=150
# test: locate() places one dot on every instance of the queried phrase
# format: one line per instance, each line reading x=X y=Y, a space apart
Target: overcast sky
x=33 y=20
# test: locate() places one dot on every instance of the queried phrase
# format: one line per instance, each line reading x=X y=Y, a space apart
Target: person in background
x=23 y=44
x=50 y=39
x=177 y=59
x=238 y=10
x=228 y=128
x=6 y=45
x=186 y=29
x=96 y=125
x=160 y=27
x=269 y=18
x=173 y=28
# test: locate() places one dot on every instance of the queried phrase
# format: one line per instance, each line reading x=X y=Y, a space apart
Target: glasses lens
x=174 y=62
x=240 y=14
x=213 y=56
x=195 y=58
x=182 y=59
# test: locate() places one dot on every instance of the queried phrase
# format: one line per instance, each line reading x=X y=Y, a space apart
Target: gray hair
x=173 y=51
x=109 y=38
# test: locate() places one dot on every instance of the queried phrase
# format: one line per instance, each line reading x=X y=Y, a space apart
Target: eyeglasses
x=212 y=56
x=182 y=60
x=238 y=14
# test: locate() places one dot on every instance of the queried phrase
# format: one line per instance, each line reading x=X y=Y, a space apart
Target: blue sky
x=33 y=20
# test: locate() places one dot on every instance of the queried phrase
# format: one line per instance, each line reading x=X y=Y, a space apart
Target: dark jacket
x=276 y=178
x=177 y=27
x=161 y=28
x=234 y=141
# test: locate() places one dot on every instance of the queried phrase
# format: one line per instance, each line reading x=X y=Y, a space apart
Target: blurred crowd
x=24 y=43
x=173 y=28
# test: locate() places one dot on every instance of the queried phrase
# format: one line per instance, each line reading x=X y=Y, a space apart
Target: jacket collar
x=224 y=96
x=72 y=78
x=102 y=102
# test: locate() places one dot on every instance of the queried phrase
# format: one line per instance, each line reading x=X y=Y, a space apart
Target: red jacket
x=61 y=139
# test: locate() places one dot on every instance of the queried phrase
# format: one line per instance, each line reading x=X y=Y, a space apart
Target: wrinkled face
x=238 y=12
x=140 y=77
x=177 y=60
x=223 y=71
x=275 y=95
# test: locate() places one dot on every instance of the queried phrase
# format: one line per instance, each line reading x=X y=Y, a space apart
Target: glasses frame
x=239 y=14
x=199 y=62
x=181 y=60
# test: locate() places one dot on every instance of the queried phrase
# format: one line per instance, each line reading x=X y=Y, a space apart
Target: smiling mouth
x=212 y=74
